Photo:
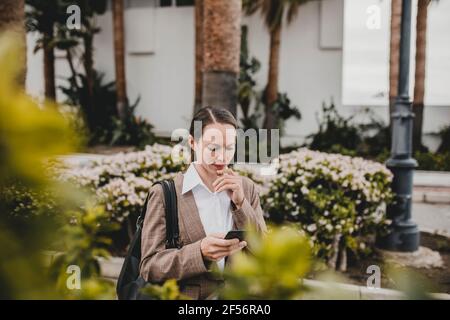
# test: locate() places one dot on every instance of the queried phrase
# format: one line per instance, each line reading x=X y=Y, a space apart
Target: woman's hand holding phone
x=214 y=247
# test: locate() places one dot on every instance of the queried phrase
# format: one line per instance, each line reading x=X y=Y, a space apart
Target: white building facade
x=335 y=50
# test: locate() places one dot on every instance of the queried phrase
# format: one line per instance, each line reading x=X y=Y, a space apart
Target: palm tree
x=274 y=12
x=221 y=39
x=419 y=83
x=12 y=18
x=42 y=18
x=198 y=54
x=394 y=52
x=119 y=56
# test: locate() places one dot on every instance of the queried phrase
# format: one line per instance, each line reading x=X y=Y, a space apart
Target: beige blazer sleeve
x=158 y=263
x=250 y=212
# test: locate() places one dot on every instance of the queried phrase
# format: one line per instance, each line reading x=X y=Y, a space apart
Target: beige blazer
x=186 y=264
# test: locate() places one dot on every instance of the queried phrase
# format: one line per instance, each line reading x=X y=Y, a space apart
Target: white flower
x=304 y=190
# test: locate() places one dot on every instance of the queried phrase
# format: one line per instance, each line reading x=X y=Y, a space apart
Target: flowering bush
x=122 y=181
x=337 y=200
x=25 y=203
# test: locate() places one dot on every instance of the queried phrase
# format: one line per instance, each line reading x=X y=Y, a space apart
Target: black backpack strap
x=173 y=238
x=171 y=211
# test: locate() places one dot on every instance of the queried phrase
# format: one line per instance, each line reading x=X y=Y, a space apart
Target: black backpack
x=130 y=282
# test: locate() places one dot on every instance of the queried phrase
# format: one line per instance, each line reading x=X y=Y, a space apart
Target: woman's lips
x=219 y=166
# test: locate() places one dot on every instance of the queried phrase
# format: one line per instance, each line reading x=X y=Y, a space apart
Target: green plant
x=283 y=110
x=247 y=94
x=444 y=134
x=337 y=200
x=167 y=291
x=433 y=161
x=334 y=129
x=120 y=182
x=25 y=203
x=26 y=133
x=271 y=271
x=98 y=108
x=83 y=240
x=30 y=135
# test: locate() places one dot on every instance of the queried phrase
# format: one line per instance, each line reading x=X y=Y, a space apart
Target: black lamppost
x=403 y=234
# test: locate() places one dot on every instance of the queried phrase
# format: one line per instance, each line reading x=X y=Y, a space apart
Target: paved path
x=432 y=216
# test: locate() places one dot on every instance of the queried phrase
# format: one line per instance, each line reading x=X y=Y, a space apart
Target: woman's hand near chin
x=232 y=182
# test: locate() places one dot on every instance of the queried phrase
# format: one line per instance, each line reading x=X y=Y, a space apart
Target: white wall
x=160 y=64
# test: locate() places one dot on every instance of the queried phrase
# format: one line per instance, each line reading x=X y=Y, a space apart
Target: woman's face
x=216 y=146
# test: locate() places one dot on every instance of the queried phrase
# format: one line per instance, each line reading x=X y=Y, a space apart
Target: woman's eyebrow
x=216 y=144
x=211 y=142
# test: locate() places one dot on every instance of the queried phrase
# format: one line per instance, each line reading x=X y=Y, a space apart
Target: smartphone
x=232 y=234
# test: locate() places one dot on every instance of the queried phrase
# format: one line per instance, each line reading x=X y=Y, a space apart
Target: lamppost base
x=404 y=238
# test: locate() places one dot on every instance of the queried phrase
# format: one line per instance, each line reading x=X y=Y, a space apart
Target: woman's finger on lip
x=217 y=181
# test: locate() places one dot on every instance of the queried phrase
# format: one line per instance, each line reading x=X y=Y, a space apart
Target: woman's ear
x=191 y=146
x=191 y=142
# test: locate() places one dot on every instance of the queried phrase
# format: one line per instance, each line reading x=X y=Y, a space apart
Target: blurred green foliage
x=273 y=268
x=433 y=161
x=30 y=135
x=168 y=291
x=82 y=240
x=27 y=138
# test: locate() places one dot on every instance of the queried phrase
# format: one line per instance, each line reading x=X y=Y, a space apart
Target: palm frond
x=273 y=10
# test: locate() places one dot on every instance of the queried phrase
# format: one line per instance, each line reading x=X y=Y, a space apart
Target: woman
x=212 y=199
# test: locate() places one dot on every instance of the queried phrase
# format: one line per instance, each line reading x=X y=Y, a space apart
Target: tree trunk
x=49 y=64
x=221 y=36
x=119 y=57
x=333 y=260
x=271 y=93
x=394 y=53
x=342 y=259
x=88 y=62
x=12 y=18
x=198 y=54
x=419 y=83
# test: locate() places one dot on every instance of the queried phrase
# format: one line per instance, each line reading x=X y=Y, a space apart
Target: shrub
x=121 y=182
x=334 y=130
x=271 y=271
x=98 y=113
x=337 y=200
x=433 y=161
x=31 y=134
x=444 y=134
x=83 y=239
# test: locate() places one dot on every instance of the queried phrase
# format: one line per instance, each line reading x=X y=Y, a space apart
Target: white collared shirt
x=213 y=207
